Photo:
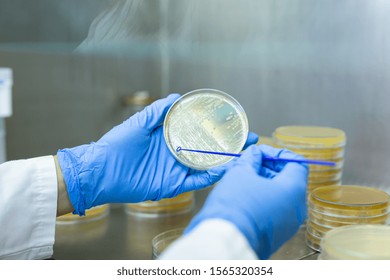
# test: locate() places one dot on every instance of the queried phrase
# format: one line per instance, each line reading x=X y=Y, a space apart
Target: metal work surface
x=123 y=236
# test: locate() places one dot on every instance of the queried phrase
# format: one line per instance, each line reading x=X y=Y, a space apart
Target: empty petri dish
x=312 y=241
x=356 y=242
x=161 y=241
x=207 y=120
x=180 y=204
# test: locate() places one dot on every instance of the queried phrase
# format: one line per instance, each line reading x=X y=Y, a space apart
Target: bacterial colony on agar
x=205 y=120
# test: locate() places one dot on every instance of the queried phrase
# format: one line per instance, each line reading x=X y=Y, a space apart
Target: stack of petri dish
x=317 y=143
x=356 y=242
x=183 y=203
x=330 y=207
x=92 y=214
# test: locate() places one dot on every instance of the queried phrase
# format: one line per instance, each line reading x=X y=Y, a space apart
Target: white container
x=5 y=92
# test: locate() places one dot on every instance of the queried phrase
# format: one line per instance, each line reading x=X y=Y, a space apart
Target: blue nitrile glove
x=131 y=163
x=265 y=200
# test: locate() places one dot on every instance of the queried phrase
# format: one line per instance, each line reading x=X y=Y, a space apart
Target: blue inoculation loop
x=307 y=161
x=178 y=149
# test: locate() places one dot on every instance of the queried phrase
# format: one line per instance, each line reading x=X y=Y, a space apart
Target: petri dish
x=208 y=120
x=86 y=232
x=339 y=164
x=92 y=214
x=312 y=241
x=316 y=229
x=336 y=206
x=326 y=176
x=309 y=137
x=324 y=154
x=346 y=198
x=356 y=242
x=315 y=185
x=161 y=241
x=180 y=204
x=336 y=221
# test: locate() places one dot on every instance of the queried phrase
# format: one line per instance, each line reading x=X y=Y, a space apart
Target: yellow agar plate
x=309 y=137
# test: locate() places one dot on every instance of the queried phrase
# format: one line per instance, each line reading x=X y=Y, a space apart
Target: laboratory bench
x=123 y=236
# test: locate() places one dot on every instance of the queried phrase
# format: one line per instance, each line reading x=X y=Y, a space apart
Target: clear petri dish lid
x=163 y=240
x=324 y=154
x=339 y=164
x=312 y=241
x=317 y=229
x=354 y=242
x=180 y=204
x=339 y=220
x=360 y=212
x=325 y=173
x=348 y=197
x=208 y=120
x=309 y=137
x=317 y=177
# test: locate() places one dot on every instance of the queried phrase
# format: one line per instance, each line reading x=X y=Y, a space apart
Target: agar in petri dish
x=92 y=214
x=207 y=120
x=350 y=197
x=356 y=242
x=309 y=137
x=180 y=204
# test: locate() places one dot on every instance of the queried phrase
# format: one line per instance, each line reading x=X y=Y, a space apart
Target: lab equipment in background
x=92 y=214
x=6 y=82
x=180 y=204
x=316 y=143
x=205 y=119
x=336 y=206
x=356 y=242
x=161 y=241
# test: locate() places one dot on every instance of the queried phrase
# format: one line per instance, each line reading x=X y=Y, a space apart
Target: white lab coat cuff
x=211 y=239
x=29 y=189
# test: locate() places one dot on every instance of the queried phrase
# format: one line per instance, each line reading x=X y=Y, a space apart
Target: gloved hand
x=131 y=163
x=265 y=200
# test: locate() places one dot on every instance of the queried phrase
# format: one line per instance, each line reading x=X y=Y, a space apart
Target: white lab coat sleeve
x=28 y=205
x=212 y=239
